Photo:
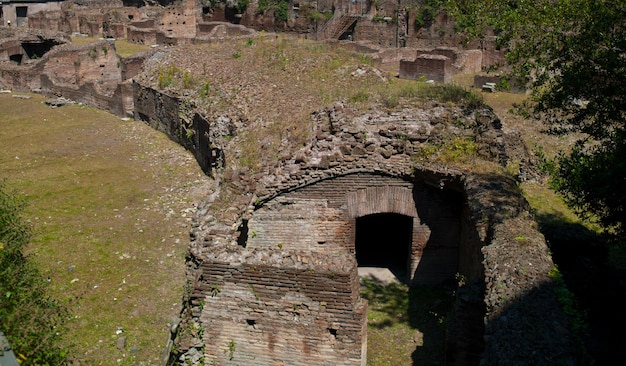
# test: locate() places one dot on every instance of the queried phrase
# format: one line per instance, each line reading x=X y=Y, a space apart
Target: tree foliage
x=572 y=54
x=29 y=318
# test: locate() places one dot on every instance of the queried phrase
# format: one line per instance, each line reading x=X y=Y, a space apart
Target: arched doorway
x=383 y=240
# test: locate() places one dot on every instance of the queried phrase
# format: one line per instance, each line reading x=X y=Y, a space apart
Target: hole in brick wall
x=242 y=240
x=251 y=322
x=333 y=332
x=143 y=117
x=16 y=58
x=36 y=50
x=384 y=241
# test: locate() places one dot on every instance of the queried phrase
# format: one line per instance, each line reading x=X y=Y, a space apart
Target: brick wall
x=292 y=293
x=321 y=217
x=141 y=36
x=9 y=12
x=163 y=112
x=432 y=67
x=264 y=313
x=179 y=21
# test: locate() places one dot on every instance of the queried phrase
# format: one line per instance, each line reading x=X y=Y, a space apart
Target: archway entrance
x=383 y=240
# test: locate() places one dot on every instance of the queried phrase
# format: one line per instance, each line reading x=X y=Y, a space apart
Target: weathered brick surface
x=167 y=114
x=431 y=67
x=141 y=36
x=280 y=305
x=292 y=293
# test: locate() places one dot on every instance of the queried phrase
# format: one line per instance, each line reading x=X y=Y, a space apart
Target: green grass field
x=110 y=203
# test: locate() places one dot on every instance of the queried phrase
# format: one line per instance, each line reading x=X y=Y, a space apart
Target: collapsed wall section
x=89 y=74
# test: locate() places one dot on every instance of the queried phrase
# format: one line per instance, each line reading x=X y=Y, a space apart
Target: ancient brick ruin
x=441 y=63
x=280 y=281
x=274 y=276
x=429 y=50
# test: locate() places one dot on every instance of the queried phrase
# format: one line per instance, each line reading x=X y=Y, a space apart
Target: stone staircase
x=337 y=26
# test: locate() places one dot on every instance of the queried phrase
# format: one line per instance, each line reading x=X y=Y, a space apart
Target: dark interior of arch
x=384 y=240
x=37 y=49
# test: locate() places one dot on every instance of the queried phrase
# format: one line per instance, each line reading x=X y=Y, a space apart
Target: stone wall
x=133 y=65
x=275 y=308
x=304 y=219
x=179 y=21
x=49 y=19
x=141 y=36
x=382 y=34
x=17 y=13
x=165 y=113
x=431 y=67
x=91 y=74
x=463 y=61
x=441 y=63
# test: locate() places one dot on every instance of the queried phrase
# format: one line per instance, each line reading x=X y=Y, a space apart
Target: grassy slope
x=107 y=201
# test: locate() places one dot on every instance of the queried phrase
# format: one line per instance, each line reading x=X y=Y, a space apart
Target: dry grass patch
x=123 y=47
x=126 y=49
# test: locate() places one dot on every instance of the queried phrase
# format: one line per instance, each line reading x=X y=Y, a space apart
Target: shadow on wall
x=534 y=321
x=440 y=214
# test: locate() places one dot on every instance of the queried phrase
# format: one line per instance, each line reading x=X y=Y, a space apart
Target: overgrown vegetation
x=571 y=53
x=29 y=317
x=279 y=7
x=427 y=12
x=174 y=76
x=301 y=76
x=458 y=150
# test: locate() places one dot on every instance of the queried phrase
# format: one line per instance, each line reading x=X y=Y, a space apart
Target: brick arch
x=374 y=200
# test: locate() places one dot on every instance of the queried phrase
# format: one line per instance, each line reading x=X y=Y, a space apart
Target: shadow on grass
x=411 y=321
x=584 y=258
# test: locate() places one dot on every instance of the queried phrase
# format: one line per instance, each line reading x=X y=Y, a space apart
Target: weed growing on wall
x=174 y=76
x=93 y=53
x=232 y=347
